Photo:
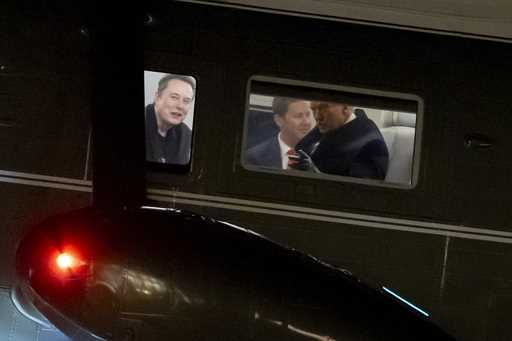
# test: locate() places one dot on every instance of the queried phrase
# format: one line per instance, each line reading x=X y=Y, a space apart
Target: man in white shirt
x=295 y=120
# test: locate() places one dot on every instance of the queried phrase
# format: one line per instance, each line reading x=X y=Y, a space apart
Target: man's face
x=331 y=116
x=296 y=122
x=173 y=103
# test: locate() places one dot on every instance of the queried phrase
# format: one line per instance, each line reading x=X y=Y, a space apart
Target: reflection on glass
x=169 y=112
x=327 y=137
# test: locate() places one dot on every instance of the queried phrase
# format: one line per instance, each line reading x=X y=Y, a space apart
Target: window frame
x=154 y=166
x=345 y=89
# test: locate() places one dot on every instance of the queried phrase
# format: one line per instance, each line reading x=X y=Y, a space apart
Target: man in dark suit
x=295 y=119
x=168 y=138
x=343 y=143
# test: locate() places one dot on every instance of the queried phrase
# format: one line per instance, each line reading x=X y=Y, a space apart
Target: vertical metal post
x=116 y=34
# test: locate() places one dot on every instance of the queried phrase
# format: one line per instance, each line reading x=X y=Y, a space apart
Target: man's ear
x=347 y=111
x=278 y=120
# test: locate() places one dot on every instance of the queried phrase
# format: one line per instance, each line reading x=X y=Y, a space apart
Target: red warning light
x=68 y=263
x=65 y=261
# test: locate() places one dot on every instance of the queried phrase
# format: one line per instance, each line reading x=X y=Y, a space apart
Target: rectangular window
x=332 y=132
x=169 y=117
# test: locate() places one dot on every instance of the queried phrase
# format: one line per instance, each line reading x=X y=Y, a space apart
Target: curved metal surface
x=163 y=274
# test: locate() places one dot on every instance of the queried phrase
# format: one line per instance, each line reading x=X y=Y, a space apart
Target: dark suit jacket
x=265 y=154
x=355 y=149
x=174 y=148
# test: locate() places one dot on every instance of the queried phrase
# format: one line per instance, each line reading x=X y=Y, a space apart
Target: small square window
x=169 y=116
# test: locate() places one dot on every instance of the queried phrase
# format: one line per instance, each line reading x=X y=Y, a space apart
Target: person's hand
x=300 y=160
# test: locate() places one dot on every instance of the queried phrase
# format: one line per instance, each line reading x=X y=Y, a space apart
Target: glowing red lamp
x=65 y=261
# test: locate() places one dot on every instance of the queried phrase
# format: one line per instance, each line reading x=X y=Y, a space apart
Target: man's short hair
x=164 y=81
x=320 y=106
x=280 y=104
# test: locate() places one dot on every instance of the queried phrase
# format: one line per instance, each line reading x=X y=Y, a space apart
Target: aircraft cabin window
x=332 y=132
x=169 y=117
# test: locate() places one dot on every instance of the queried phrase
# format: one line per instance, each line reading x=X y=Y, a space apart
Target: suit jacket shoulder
x=265 y=154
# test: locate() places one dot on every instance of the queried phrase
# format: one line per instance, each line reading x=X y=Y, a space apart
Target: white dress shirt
x=284 y=150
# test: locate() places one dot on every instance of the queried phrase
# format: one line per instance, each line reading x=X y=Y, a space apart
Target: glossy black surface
x=159 y=274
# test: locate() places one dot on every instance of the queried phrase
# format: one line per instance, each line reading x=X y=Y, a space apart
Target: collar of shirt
x=351 y=118
x=284 y=150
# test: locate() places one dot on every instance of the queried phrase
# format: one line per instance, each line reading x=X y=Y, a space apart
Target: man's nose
x=182 y=105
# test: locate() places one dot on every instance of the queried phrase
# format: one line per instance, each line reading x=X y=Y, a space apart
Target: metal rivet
x=149 y=20
x=84 y=31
